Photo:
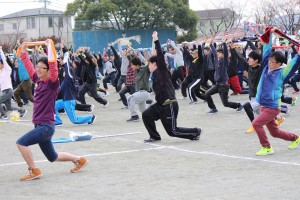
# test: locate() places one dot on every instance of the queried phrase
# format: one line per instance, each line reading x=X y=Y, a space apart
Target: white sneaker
x=182 y=98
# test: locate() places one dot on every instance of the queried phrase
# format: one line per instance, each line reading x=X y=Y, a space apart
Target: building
x=34 y=23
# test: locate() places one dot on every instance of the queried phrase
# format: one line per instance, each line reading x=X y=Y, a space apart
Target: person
x=221 y=78
x=179 y=69
x=269 y=94
x=141 y=86
x=88 y=77
x=166 y=107
x=68 y=101
x=6 y=92
x=45 y=76
x=254 y=70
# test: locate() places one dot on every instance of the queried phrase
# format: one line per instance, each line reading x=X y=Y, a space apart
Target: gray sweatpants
x=139 y=98
x=5 y=97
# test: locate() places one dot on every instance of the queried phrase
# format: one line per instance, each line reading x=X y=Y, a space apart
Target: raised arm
x=115 y=53
x=27 y=63
x=53 y=69
x=161 y=64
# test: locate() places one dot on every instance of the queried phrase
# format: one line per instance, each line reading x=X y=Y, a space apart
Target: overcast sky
x=11 y=6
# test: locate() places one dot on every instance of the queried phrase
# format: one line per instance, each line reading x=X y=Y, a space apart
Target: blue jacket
x=269 y=90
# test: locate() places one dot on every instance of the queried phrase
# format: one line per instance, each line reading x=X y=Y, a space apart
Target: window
x=30 y=21
x=33 y=22
x=50 y=22
x=60 y=22
x=1 y=27
x=14 y=26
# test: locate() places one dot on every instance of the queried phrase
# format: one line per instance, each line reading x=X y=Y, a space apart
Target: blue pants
x=42 y=135
x=69 y=107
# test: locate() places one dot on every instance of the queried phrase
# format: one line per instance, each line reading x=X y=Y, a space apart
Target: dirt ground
x=221 y=165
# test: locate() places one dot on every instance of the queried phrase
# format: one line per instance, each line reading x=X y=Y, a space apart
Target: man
x=142 y=87
x=166 y=107
x=221 y=78
x=269 y=92
x=88 y=77
x=45 y=76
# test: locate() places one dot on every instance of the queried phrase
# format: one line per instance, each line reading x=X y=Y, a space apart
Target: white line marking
x=213 y=154
x=89 y=155
x=122 y=134
x=235 y=157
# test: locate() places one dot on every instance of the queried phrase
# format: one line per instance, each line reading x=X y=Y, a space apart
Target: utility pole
x=46 y=2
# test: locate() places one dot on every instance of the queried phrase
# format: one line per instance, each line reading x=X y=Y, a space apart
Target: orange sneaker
x=279 y=121
x=34 y=173
x=81 y=163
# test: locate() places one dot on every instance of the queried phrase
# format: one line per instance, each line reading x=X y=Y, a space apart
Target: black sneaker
x=134 y=119
x=197 y=136
x=93 y=120
x=149 y=101
x=3 y=116
x=239 y=109
x=151 y=140
x=212 y=111
x=23 y=113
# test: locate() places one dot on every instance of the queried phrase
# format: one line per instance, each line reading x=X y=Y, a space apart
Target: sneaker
x=20 y=104
x=212 y=111
x=151 y=140
x=294 y=144
x=106 y=105
x=106 y=93
x=295 y=92
x=93 y=120
x=239 y=109
x=34 y=173
x=23 y=113
x=91 y=109
x=149 y=101
x=250 y=130
x=3 y=116
x=197 y=136
x=234 y=93
x=134 y=119
x=265 y=151
x=279 y=121
x=182 y=98
x=81 y=163
x=125 y=107
x=294 y=100
x=58 y=124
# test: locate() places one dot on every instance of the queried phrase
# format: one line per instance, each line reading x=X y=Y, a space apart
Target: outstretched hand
x=154 y=36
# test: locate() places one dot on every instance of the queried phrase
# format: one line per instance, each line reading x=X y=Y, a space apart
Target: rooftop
x=33 y=12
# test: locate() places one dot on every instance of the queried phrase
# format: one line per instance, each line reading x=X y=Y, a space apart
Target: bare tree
x=281 y=13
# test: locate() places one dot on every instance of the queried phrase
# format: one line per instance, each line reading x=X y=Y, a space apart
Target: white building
x=34 y=23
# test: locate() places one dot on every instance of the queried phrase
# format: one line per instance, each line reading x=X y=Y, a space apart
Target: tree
x=281 y=13
x=133 y=14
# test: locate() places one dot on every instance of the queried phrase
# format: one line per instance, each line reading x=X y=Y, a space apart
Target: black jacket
x=162 y=84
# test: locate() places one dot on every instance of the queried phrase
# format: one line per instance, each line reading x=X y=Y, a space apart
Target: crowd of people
x=57 y=81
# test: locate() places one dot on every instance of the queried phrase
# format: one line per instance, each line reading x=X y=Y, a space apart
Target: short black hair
x=278 y=56
x=255 y=55
x=220 y=50
x=207 y=48
x=136 y=61
x=153 y=59
x=44 y=60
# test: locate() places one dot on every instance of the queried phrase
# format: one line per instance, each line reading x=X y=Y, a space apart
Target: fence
x=98 y=40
